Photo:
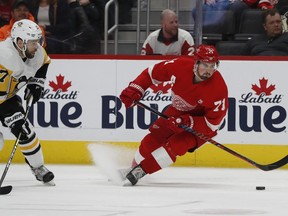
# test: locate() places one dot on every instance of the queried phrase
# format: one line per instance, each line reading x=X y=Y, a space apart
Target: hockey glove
x=35 y=87
x=21 y=127
x=175 y=123
x=130 y=94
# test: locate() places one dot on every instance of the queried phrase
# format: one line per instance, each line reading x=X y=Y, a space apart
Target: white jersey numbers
x=191 y=51
x=220 y=105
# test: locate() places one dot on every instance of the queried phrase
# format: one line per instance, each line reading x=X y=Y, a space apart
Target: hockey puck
x=260 y=188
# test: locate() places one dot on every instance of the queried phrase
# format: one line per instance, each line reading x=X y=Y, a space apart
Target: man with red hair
x=199 y=101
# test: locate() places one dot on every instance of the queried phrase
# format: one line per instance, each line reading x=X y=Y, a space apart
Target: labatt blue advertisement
x=81 y=105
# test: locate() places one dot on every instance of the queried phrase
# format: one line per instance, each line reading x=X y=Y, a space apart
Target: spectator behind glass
x=170 y=39
x=53 y=16
x=125 y=13
x=5 y=11
x=20 y=10
x=86 y=22
x=238 y=6
x=274 y=42
x=212 y=5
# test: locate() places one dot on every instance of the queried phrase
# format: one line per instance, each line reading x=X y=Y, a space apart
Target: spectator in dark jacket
x=274 y=42
x=53 y=16
x=86 y=25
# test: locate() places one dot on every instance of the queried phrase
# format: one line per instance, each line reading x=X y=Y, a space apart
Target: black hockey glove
x=35 y=87
x=21 y=127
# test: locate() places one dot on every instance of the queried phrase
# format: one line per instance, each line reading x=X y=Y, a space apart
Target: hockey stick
x=7 y=189
x=267 y=167
x=65 y=40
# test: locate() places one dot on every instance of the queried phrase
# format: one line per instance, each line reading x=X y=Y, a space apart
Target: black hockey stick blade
x=274 y=165
x=5 y=190
x=267 y=167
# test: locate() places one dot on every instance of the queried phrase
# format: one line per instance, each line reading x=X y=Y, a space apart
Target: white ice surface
x=85 y=191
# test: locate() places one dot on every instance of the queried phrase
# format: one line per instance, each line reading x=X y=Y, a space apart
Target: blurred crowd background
x=122 y=26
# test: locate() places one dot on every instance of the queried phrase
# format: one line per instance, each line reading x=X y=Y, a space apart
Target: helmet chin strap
x=22 y=50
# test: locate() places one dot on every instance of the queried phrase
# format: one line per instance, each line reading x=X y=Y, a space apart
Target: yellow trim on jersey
x=47 y=59
x=25 y=148
x=8 y=84
x=5 y=77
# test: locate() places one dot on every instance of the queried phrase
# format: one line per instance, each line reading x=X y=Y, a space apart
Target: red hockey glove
x=174 y=123
x=130 y=94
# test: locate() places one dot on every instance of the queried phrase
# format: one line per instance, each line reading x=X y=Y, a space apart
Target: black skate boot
x=42 y=173
x=134 y=175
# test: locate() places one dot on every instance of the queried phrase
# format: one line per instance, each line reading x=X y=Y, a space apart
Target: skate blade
x=123 y=172
x=126 y=183
x=51 y=183
x=119 y=177
x=124 y=180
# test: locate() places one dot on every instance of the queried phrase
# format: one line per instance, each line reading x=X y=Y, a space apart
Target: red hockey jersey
x=206 y=101
x=181 y=44
x=261 y=3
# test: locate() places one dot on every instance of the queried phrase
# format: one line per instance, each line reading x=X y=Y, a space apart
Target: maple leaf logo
x=60 y=84
x=263 y=87
x=163 y=87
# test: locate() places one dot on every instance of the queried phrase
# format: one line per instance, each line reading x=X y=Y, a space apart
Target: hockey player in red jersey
x=199 y=101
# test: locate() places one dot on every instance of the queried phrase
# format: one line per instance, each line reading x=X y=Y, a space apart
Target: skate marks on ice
x=111 y=159
x=225 y=212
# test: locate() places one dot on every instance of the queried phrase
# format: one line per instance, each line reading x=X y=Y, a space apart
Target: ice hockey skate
x=134 y=175
x=44 y=175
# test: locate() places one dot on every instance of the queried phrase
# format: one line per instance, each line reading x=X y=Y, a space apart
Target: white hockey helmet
x=26 y=30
